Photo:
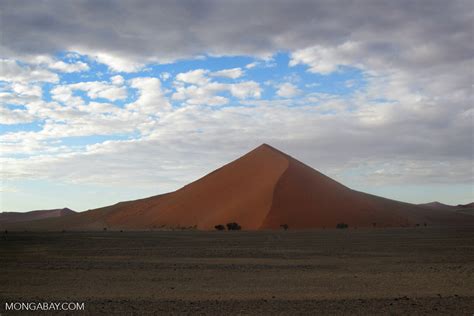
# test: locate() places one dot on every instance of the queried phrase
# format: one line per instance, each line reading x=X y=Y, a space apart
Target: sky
x=106 y=101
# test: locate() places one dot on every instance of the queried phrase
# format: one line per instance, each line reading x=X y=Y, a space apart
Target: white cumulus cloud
x=288 y=90
x=232 y=73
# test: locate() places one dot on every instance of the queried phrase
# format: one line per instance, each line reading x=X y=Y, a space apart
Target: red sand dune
x=261 y=190
x=437 y=205
x=13 y=217
x=441 y=206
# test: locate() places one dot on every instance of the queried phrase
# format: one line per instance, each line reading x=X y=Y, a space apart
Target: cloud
x=96 y=89
x=152 y=31
x=151 y=99
x=197 y=77
x=58 y=65
x=325 y=60
x=202 y=90
x=18 y=94
x=13 y=72
x=116 y=63
x=117 y=80
x=245 y=89
x=14 y=116
x=26 y=90
x=165 y=76
x=252 y=65
x=232 y=73
x=203 y=94
x=288 y=90
x=223 y=134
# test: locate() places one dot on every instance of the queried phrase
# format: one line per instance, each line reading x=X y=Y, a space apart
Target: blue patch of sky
x=207 y=62
x=96 y=72
x=82 y=94
x=23 y=127
x=46 y=91
x=132 y=96
x=83 y=141
x=12 y=106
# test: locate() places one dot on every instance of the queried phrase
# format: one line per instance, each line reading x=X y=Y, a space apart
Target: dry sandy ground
x=372 y=271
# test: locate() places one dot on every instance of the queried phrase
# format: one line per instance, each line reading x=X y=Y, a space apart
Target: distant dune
x=460 y=208
x=261 y=190
x=437 y=205
x=14 y=217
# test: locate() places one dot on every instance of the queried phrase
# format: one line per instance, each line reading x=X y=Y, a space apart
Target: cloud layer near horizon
x=411 y=122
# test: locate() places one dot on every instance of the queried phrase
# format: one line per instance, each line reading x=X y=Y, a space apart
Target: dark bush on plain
x=233 y=226
x=342 y=225
x=285 y=226
x=219 y=227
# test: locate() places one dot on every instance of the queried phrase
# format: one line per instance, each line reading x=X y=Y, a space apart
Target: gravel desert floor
x=422 y=270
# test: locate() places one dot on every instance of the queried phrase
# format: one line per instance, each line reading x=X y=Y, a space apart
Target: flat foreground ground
x=355 y=271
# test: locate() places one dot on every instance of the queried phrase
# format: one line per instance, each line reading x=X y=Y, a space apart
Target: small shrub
x=105 y=229
x=342 y=226
x=233 y=226
x=219 y=227
x=285 y=226
x=374 y=224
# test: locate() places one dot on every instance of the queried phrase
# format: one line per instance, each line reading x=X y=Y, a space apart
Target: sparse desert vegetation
x=285 y=226
x=233 y=226
x=219 y=227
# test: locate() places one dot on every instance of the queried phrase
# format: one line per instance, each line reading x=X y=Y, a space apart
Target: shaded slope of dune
x=305 y=198
x=261 y=190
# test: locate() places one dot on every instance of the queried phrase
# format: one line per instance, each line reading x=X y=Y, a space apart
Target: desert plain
x=411 y=270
